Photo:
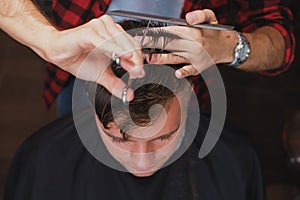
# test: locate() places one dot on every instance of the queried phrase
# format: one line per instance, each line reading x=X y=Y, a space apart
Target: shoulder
x=233 y=151
x=230 y=140
x=45 y=157
x=47 y=150
x=54 y=137
x=231 y=169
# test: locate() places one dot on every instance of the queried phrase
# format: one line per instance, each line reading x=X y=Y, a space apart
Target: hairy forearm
x=267 y=50
x=11 y=8
x=23 y=21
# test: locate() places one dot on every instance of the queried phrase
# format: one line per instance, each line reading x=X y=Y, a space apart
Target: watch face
x=241 y=51
x=244 y=51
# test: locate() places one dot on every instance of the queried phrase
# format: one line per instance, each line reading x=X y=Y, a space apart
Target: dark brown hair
x=145 y=95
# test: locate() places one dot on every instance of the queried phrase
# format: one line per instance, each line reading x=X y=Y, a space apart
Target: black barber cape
x=53 y=164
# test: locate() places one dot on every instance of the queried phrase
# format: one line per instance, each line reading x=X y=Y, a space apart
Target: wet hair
x=146 y=95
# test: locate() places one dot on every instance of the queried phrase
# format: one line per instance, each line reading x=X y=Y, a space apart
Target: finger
x=108 y=29
x=127 y=60
x=107 y=50
x=200 y=61
x=186 y=51
x=122 y=38
x=99 y=25
x=185 y=71
x=115 y=39
x=98 y=28
x=183 y=44
x=96 y=35
x=134 y=63
x=114 y=85
x=201 y=16
x=165 y=59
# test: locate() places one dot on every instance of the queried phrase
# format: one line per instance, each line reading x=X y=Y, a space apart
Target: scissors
x=129 y=83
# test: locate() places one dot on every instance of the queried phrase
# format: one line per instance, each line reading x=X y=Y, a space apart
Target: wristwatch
x=241 y=51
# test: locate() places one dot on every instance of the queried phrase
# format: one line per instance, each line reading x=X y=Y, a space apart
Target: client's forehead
x=167 y=122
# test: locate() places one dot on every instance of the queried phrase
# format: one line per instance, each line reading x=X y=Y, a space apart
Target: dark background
x=257 y=104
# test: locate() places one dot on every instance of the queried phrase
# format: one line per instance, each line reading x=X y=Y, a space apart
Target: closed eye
x=119 y=140
x=165 y=137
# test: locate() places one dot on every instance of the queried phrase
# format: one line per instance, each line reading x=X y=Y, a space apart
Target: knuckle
x=94 y=23
x=107 y=19
x=184 y=72
x=93 y=26
x=179 y=59
x=210 y=15
x=194 y=70
x=200 y=16
x=88 y=31
x=119 y=26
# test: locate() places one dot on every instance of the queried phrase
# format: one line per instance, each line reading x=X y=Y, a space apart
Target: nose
x=141 y=147
x=141 y=156
x=142 y=162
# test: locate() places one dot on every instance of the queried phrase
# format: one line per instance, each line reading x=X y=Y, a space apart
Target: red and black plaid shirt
x=245 y=15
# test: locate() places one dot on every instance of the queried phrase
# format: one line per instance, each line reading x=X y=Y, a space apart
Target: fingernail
x=141 y=74
x=153 y=59
x=130 y=95
x=190 y=18
x=178 y=74
x=138 y=71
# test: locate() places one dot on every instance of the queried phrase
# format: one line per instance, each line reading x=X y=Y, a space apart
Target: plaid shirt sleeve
x=68 y=14
x=247 y=16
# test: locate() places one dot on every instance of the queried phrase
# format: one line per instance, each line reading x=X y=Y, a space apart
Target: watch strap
x=241 y=51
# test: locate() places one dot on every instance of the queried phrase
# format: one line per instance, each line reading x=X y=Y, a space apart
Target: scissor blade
x=171 y=20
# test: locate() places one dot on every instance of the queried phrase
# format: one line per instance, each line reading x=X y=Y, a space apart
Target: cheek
x=114 y=150
x=168 y=149
x=171 y=147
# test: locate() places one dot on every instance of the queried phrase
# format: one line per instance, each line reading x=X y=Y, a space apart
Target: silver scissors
x=129 y=83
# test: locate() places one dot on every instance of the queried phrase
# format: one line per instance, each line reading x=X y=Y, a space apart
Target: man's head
x=144 y=135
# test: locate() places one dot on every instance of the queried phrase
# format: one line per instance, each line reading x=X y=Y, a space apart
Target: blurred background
x=258 y=105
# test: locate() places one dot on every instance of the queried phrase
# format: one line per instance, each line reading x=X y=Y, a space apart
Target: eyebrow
x=128 y=135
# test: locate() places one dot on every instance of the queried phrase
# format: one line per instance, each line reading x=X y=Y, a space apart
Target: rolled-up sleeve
x=254 y=14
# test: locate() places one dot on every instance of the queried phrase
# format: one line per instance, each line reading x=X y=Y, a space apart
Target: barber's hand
x=198 y=45
x=97 y=40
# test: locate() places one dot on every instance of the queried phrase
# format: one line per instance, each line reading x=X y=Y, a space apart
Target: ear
x=112 y=125
x=112 y=128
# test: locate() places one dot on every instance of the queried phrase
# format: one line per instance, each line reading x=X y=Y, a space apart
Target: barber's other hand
x=69 y=49
x=197 y=45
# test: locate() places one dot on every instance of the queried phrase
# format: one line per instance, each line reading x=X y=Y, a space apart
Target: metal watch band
x=241 y=51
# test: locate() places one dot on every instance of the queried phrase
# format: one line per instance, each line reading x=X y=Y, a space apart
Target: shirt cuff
x=290 y=44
